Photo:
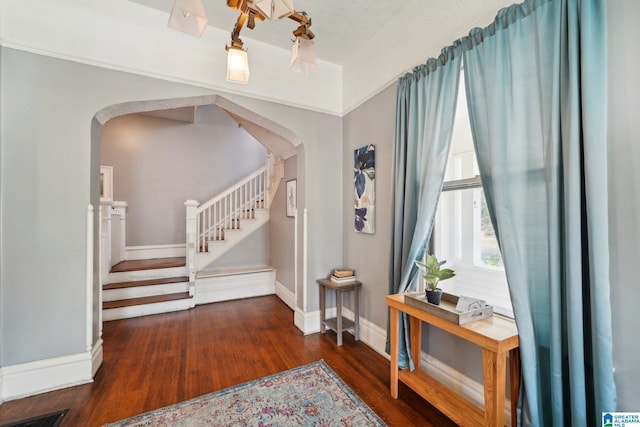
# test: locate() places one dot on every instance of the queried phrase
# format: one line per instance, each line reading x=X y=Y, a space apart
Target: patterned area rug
x=310 y=395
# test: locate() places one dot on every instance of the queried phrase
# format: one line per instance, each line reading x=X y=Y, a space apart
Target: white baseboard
x=237 y=286
x=154 y=251
x=370 y=333
x=96 y=357
x=287 y=296
x=308 y=322
x=27 y=379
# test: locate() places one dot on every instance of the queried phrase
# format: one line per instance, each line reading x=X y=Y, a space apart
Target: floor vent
x=49 y=420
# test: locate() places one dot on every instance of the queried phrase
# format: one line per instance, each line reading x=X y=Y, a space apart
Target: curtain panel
x=536 y=89
x=425 y=111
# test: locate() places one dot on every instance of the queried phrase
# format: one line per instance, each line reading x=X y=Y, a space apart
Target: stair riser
x=146 y=309
x=158 y=273
x=144 y=291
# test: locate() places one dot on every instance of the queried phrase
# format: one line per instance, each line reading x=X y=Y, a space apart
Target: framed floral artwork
x=364 y=180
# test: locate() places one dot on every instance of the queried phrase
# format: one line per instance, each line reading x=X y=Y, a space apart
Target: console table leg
x=322 y=307
x=415 y=338
x=394 y=331
x=494 y=366
x=514 y=374
x=356 y=305
x=339 y=315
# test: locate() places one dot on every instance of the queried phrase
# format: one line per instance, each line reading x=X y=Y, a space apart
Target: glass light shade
x=274 y=9
x=303 y=55
x=237 y=66
x=189 y=17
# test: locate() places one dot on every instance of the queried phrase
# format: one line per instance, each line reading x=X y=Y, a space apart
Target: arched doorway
x=280 y=141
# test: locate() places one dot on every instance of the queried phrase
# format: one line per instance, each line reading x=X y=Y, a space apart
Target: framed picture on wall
x=291 y=198
x=364 y=179
x=106 y=183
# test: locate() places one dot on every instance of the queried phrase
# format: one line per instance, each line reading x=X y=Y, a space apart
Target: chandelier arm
x=235 y=34
x=305 y=22
x=300 y=17
x=246 y=7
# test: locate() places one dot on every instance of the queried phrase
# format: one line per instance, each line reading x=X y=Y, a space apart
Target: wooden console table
x=497 y=336
x=340 y=324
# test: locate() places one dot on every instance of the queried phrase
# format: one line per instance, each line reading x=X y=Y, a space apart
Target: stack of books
x=342 y=275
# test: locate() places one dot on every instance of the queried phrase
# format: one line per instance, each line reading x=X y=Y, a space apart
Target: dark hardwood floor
x=155 y=361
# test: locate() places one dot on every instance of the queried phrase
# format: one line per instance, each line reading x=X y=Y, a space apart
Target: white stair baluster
x=210 y=227
x=228 y=210
x=245 y=202
x=215 y=222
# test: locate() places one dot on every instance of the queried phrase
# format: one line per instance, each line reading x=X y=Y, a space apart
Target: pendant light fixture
x=303 y=52
x=189 y=17
x=303 y=56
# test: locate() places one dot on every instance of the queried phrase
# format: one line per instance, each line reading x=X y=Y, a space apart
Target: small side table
x=340 y=324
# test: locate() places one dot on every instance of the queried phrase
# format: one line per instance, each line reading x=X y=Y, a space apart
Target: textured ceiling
x=341 y=26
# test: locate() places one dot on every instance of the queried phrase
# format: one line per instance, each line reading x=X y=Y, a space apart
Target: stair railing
x=207 y=222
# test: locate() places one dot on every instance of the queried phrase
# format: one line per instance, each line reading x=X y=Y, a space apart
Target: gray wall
x=253 y=251
x=281 y=244
x=368 y=254
x=319 y=183
x=624 y=196
x=49 y=176
x=159 y=163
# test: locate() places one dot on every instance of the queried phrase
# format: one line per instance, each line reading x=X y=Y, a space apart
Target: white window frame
x=476 y=281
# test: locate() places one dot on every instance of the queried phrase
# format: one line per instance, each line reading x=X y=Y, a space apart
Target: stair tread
x=132 y=284
x=149 y=264
x=145 y=300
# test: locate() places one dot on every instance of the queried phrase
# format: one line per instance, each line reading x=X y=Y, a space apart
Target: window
x=463 y=234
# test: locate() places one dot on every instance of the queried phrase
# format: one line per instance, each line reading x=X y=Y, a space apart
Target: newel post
x=192 y=233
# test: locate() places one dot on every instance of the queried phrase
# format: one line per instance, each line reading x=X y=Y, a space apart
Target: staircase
x=219 y=224
x=142 y=287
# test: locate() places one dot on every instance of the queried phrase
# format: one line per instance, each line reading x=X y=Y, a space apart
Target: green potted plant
x=433 y=274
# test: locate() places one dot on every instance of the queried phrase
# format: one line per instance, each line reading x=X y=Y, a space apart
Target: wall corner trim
x=96 y=357
x=27 y=379
x=285 y=295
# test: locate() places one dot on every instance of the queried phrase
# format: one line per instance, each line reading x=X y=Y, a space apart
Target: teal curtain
x=425 y=111
x=536 y=89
